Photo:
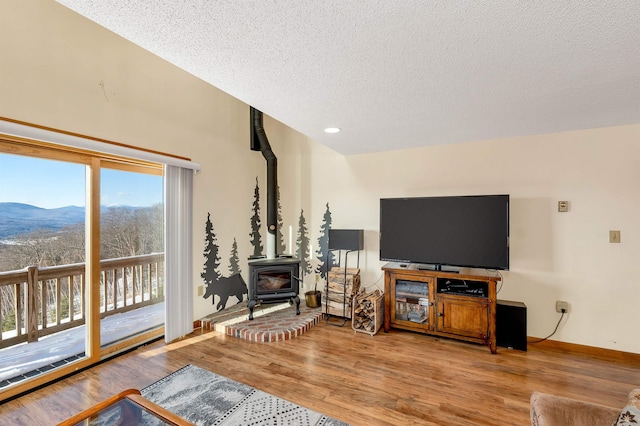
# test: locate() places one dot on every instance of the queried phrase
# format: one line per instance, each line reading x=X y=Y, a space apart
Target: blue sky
x=51 y=184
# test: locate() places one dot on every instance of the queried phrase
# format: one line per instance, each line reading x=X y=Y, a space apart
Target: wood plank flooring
x=395 y=378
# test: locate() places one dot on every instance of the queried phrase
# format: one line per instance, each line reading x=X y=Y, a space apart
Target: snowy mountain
x=17 y=218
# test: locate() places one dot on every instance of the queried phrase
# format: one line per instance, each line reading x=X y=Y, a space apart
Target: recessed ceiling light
x=331 y=130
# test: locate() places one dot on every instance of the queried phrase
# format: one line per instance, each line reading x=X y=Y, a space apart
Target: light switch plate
x=614 y=236
x=563 y=206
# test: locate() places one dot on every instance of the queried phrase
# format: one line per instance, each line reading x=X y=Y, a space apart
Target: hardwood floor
x=389 y=379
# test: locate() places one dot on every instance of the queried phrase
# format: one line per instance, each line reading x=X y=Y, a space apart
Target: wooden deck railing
x=35 y=302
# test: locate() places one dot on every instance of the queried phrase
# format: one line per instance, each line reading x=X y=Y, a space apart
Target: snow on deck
x=28 y=359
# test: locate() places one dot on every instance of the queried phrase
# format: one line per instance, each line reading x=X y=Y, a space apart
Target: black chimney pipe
x=259 y=142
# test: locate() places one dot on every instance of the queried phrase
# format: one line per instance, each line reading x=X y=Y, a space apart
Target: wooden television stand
x=440 y=303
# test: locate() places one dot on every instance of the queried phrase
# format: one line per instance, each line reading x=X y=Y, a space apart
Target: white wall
x=554 y=256
x=61 y=70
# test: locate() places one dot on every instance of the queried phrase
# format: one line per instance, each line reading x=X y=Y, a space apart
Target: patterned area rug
x=205 y=398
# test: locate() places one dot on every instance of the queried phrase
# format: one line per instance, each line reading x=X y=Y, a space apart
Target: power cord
x=564 y=311
x=375 y=283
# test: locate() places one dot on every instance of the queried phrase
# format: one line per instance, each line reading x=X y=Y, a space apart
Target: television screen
x=464 y=231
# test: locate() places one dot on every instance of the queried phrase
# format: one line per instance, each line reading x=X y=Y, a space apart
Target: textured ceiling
x=404 y=73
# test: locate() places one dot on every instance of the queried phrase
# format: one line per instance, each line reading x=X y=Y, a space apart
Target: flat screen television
x=460 y=231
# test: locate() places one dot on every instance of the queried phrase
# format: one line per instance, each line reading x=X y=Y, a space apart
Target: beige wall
x=60 y=70
x=554 y=256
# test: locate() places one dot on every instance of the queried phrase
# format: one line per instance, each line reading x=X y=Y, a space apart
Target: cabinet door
x=463 y=316
x=411 y=303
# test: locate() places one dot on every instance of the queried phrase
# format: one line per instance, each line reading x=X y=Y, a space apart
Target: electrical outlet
x=560 y=306
x=200 y=290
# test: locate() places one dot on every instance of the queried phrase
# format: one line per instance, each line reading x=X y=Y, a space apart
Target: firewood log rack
x=344 y=288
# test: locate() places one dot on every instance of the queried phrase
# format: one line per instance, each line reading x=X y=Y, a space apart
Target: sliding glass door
x=81 y=259
x=42 y=265
x=131 y=253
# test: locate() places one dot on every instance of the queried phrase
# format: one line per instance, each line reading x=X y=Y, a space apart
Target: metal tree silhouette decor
x=216 y=284
x=280 y=247
x=234 y=260
x=302 y=243
x=326 y=259
x=210 y=272
x=256 y=238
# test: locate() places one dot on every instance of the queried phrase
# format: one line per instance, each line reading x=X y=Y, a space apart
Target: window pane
x=42 y=214
x=132 y=253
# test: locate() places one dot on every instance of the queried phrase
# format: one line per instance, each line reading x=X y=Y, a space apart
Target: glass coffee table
x=127 y=408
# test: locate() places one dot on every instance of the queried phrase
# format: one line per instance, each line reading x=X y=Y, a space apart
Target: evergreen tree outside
x=8 y=320
x=326 y=259
x=302 y=243
x=281 y=246
x=210 y=273
x=234 y=261
x=256 y=238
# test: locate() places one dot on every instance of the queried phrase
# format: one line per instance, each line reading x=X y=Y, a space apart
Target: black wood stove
x=274 y=280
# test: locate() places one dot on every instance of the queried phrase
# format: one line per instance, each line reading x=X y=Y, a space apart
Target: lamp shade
x=346 y=239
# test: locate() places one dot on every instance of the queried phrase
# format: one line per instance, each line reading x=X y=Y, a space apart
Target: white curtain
x=178 y=197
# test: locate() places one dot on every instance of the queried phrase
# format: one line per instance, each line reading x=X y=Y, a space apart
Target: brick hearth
x=271 y=323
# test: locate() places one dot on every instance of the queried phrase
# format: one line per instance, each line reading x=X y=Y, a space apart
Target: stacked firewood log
x=341 y=288
x=367 y=312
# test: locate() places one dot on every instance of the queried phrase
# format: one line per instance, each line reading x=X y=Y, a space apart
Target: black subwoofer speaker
x=511 y=324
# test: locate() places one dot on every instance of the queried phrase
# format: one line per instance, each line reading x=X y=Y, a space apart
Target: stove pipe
x=259 y=142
